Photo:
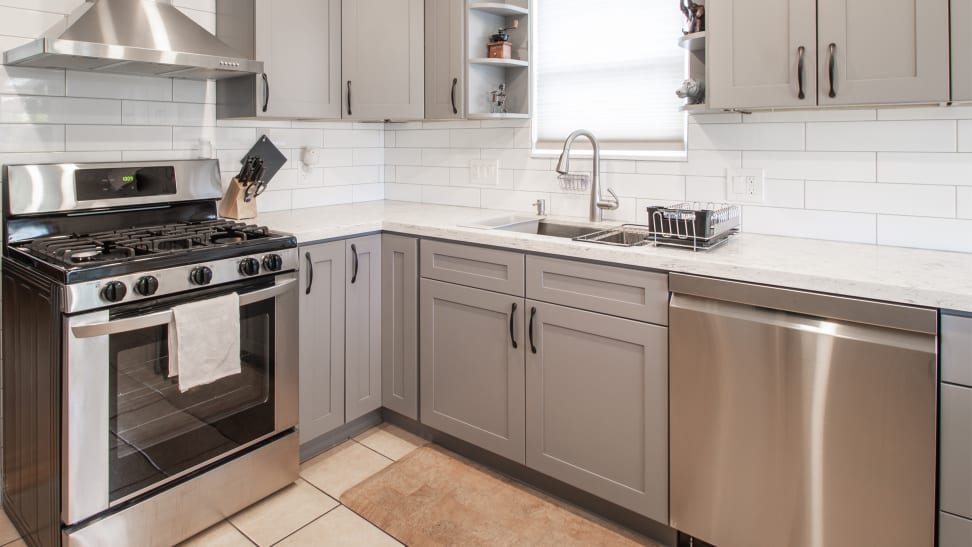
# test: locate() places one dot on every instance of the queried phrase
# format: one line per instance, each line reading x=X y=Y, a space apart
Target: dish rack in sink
x=695 y=226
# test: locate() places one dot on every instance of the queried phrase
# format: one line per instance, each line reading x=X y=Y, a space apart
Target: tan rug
x=434 y=497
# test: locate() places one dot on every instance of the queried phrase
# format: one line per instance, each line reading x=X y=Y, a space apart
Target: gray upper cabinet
x=299 y=42
x=883 y=51
x=444 y=62
x=363 y=326
x=597 y=405
x=321 y=346
x=383 y=59
x=471 y=371
x=961 y=36
x=399 y=324
x=755 y=52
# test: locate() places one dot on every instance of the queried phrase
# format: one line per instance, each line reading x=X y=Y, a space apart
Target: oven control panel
x=103 y=293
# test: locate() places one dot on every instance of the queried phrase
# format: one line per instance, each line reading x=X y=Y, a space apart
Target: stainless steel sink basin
x=551 y=229
x=627 y=235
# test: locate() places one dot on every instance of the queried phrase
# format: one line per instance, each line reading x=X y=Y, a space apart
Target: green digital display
x=128 y=178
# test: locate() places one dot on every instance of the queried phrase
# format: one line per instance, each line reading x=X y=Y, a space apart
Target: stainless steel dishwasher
x=799 y=419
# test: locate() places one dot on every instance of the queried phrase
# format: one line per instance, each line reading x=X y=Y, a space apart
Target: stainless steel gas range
x=101 y=447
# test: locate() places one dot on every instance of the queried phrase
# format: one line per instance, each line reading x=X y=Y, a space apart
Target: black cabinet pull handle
x=800 y=69
x=533 y=315
x=455 y=82
x=832 y=69
x=310 y=273
x=266 y=92
x=354 y=266
x=349 y=98
x=512 y=319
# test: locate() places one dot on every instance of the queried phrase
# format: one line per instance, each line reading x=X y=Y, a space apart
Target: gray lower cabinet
x=955 y=487
x=363 y=326
x=597 y=405
x=321 y=346
x=472 y=376
x=399 y=324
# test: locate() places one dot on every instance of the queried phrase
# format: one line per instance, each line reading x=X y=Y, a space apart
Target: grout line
x=242 y=533
x=373 y=450
x=281 y=540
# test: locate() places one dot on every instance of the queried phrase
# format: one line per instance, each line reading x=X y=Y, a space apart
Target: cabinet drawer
x=638 y=295
x=489 y=269
x=954 y=531
x=957 y=349
x=956 y=451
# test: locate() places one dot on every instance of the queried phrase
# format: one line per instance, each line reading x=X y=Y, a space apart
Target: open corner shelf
x=694 y=108
x=504 y=116
x=499 y=8
x=499 y=62
x=693 y=42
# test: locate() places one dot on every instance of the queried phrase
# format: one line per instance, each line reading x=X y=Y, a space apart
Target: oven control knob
x=201 y=276
x=147 y=286
x=274 y=263
x=249 y=266
x=114 y=291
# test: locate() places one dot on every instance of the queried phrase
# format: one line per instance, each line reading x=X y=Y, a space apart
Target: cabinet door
x=321 y=346
x=755 y=51
x=363 y=336
x=961 y=37
x=444 y=63
x=597 y=405
x=472 y=366
x=883 y=51
x=399 y=324
x=384 y=59
x=299 y=42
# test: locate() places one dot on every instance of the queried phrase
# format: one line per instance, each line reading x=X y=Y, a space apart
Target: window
x=610 y=67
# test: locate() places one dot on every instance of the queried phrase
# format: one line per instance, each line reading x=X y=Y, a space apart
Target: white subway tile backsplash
x=927 y=233
x=236 y=137
x=193 y=91
x=368 y=156
x=31 y=81
x=666 y=187
x=403 y=192
x=117 y=137
x=341 y=176
x=930 y=112
x=409 y=174
x=449 y=157
x=118 y=86
x=854 y=227
x=192 y=138
x=895 y=199
x=28 y=23
x=451 y=195
x=61 y=110
x=402 y=156
x=513 y=200
x=947 y=169
x=749 y=136
x=482 y=138
x=368 y=192
x=32 y=138
x=296 y=138
x=898 y=136
x=705 y=189
x=275 y=200
x=516 y=158
x=319 y=197
x=537 y=181
x=964 y=202
x=965 y=136
x=164 y=113
x=355 y=138
x=844 y=166
x=432 y=138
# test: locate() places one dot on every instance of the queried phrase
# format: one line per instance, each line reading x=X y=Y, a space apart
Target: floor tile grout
x=393 y=460
x=315 y=519
x=242 y=533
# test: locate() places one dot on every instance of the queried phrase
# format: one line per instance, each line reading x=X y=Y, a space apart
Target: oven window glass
x=157 y=432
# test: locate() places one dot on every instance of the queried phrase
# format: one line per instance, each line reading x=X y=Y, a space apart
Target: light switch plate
x=746 y=185
x=484 y=172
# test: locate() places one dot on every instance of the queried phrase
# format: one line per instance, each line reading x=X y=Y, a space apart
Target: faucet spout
x=598 y=203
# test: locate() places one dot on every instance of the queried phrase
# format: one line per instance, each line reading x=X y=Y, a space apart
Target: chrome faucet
x=598 y=204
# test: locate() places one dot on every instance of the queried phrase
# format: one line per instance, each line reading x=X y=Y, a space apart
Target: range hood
x=141 y=37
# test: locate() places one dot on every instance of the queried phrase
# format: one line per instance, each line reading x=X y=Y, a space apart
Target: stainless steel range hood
x=142 y=37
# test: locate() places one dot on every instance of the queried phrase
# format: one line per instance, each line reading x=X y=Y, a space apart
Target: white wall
x=895 y=176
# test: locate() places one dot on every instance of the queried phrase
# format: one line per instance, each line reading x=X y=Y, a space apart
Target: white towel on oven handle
x=204 y=341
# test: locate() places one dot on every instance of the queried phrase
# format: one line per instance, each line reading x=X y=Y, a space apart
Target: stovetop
x=76 y=257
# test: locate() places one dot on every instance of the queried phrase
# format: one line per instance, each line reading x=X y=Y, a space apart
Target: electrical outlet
x=745 y=185
x=484 y=172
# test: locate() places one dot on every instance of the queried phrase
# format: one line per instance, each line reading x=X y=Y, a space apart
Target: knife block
x=235 y=205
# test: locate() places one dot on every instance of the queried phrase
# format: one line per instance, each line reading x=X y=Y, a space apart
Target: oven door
x=129 y=430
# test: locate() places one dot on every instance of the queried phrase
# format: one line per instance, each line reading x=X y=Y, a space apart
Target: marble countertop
x=908 y=276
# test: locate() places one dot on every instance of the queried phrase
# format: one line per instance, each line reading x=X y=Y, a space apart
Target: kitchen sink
x=568 y=231
x=619 y=236
x=627 y=235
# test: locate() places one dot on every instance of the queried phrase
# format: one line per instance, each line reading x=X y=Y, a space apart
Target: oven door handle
x=165 y=317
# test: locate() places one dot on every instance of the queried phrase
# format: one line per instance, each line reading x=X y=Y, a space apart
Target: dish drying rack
x=697 y=226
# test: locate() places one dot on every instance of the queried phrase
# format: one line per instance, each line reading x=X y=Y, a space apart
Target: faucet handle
x=609 y=204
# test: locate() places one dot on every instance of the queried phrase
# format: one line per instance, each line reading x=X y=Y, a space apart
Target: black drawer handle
x=266 y=92
x=512 y=320
x=310 y=273
x=533 y=315
x=349 y=98
x=354 y=265
x=832 y=69
x=800 y=70
x=455 y=81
